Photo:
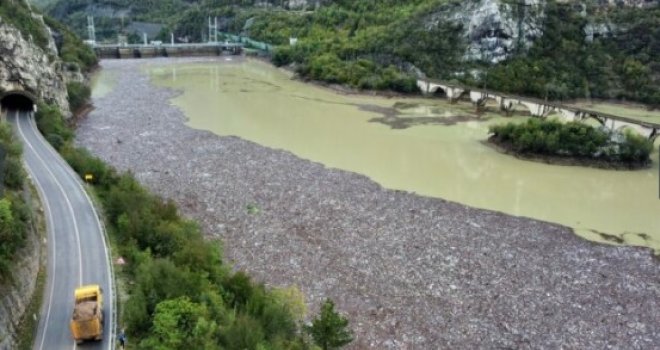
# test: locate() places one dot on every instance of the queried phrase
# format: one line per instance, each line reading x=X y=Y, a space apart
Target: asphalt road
x=77 y=252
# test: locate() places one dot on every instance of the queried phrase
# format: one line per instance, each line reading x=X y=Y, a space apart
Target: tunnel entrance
x=16 y=101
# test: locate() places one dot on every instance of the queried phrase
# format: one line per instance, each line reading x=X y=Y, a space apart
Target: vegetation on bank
x=573 y=140
x=71 y=49
x=78 y=95
x=564 y=64
x=182 y=295
x=19 y=15
x=376 y=44
x=14 y=211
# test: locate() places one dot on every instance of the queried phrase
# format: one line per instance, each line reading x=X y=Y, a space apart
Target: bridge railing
x=192 y=45
x=543 y=102
x=263 y=46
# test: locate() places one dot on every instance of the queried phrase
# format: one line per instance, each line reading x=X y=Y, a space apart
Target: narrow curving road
x=77 y=251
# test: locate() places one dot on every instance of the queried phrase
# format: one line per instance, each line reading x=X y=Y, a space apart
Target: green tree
x=78 y=93
x=330 y=329
x=635 y=75
x=180 y=324
x=6 y=235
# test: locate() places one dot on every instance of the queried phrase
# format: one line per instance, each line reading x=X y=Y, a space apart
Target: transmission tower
x=91 y=31
x=213 y=30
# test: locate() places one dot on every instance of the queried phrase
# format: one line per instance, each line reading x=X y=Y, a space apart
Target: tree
x=180 y=324
x=330 y=330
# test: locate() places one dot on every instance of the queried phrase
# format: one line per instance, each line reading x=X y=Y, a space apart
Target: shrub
x=72 y=50
x=330 y=330
x=50 y=122
x=574 y=139
x=14 y=212
x=175 y=274
x=78 y=95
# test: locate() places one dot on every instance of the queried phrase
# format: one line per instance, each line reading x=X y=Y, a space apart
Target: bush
x=175 y=274
x=574 y=139
x=50 y=122
x=73 y=51
x=14 y=212
x=635 y=148
x=330 y=330
x=78 y=95
x=282 y=56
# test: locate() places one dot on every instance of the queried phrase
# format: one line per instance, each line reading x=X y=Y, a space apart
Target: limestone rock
x=25 y=67
x=495 y=29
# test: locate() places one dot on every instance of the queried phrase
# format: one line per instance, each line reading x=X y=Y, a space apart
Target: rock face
x=495 y=29
x=17 y=294
x=27 y=69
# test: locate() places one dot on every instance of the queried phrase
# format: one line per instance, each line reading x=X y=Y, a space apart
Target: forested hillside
x=548 y=49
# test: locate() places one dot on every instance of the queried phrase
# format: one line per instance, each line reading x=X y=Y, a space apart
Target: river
x=426 y=146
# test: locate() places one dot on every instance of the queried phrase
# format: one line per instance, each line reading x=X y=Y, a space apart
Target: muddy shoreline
x=411 y=272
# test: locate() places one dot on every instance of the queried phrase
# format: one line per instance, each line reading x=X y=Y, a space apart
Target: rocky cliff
x=495 y=29
x=33 y=71
x=27 y=68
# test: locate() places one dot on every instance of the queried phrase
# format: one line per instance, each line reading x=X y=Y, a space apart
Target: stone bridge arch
x=437 y=90
x=480 y=98
x=452 y=93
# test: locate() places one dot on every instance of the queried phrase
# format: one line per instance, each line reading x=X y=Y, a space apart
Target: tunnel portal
x=16 y=101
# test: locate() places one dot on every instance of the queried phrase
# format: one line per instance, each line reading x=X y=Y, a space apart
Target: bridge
x=165 y=50
x=537 y=107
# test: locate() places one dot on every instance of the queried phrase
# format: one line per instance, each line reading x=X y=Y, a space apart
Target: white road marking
x=76 y=179
x=52 y=240
x=70 y=207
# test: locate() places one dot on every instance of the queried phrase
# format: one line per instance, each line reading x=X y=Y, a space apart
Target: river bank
x=411 y=272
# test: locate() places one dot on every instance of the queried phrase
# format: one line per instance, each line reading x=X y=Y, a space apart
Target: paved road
x=77 y=250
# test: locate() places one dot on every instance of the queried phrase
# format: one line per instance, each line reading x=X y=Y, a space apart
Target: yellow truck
x=87 y=319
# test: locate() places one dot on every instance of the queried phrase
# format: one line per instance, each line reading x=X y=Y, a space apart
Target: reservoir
x=421 y=145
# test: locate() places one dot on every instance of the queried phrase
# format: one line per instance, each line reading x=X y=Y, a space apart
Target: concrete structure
x=169 y=50
x=537 y=108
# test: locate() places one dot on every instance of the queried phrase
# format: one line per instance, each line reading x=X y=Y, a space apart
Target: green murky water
x=434 y=148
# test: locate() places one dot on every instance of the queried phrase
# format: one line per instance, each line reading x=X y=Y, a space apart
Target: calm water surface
x=435 y=149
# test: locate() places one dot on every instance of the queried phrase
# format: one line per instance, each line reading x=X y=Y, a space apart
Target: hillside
x=548 y=49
